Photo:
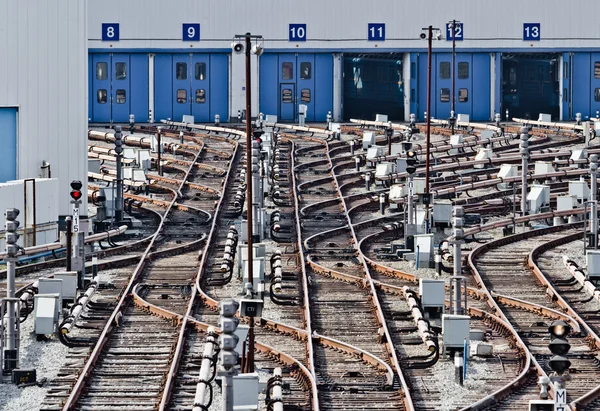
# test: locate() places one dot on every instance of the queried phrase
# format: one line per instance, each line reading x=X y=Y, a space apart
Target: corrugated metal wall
x=487 y=24
x=43 y=72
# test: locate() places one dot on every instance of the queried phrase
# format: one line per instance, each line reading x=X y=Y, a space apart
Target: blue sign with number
x=456 y=34
x=531 y=31
x=191 y=32
x=376 y=32
x=297 y=32
x=110 y=31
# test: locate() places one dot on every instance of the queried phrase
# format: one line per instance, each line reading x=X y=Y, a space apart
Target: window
x=597 y=69
x=565 y=95
x=305 y=95
x=305 y=71
x=200 y=96
x=445 y=95
x=200 y=71
x=413 y=95
x=463 y=95
x=181 y=96
x=463 y=70
x=120 y=71
x=101 y=71
x=181 y=71
x=102 y=96
x=444 y=70
x=512 y=76
x=566 y=69
x=286 y=95
x=121 y=97
x=413 y=70
x=597 y=94
x=287 y=71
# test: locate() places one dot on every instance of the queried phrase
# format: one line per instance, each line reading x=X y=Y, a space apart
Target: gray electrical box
x=566 y=202
x=375 y=151
x=579 y=189
x=432 y=292
x=242 y=254
x=456 y=330
x=51 y=286
x=593 y=264
x=46 y=313
x=442 y=212
x=368 y=139
x=382 y=118
x=245 y=392
x=69 y=284
x=424 y=245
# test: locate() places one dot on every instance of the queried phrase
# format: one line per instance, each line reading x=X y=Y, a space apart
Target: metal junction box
x=543 y=167
x=578 y=155
x=424 y=243
x=579 y=189
x=368 y=139
x=546 y=118
x=46 y=313
x=375 y=151
x=51 y=286
x=383 y=118
x=483 y=154
x=566 y=203
x=442 y=212
x=456 y=330
x=384 y=169
x=69 y=284
x=592 y=258
x=462 y=118
x=538 y=197
x=245 y=391
x=432 y=292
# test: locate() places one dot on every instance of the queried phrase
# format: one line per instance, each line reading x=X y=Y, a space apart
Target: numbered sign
x=75 y=219
x=376 y=32
x=297 y=32
x=191 y=32
x=456 y=34
x=110 y=31
x=531 y=31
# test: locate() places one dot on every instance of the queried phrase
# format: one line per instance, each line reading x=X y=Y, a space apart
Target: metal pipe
x=593 y=194
x=250 y=358
x=69 y=235
x=205 y=370
x=422 y=326
x=78 y=307
x=277 y=391
x=453 y=73
x=428 y=134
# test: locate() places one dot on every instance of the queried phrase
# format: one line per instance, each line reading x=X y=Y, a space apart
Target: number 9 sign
x=191 y=32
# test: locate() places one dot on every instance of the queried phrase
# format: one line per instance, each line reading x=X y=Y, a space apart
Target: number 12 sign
x=531 y=31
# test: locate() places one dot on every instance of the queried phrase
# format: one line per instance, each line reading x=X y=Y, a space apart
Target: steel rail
x=405 y=392
x=176 y=357
x=102 y=339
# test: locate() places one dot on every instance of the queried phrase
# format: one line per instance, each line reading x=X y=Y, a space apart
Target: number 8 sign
x=191 y=32
x=110 y=31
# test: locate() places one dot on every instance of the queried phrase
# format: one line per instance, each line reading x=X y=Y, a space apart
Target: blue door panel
x=163 y=86
x=323 y=91
x=594 y=92
x=120 y=90
x=287 y=106
x=181 y=86
x=269 y=84
x=480 y=87
x=498 y=85
x=566 y=84
x=101 y=73
x=8 y=140
x=414 y=84
x=139 y=87
x=200 y=92
x=219 y=86
x=90 y=87
x=305 y=83
x=423 y=86
x=582 y=87
x=443 y=87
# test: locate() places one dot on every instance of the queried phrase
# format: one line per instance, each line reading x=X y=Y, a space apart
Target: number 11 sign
x=376 y=32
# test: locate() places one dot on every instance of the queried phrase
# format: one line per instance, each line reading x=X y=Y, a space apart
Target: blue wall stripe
x=8 y=140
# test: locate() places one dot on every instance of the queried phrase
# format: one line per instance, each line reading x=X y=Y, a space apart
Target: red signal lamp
x=76 y=194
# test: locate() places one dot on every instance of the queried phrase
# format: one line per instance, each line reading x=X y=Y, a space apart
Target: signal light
x=76 y=185
x=76 y=194
x=559 y=346
x=411 y=161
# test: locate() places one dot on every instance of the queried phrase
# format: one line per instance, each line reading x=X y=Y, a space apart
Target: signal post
x=75 y=253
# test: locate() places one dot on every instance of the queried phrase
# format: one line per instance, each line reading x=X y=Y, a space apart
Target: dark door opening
x=530 y=85
x=373 y=85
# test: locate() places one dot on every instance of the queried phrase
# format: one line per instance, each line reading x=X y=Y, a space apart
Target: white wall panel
x=332 y=24
x=43 y=72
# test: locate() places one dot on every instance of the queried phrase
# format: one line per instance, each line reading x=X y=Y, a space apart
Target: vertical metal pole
x=453 y=71
x=524 y=165
x=250 y=357
x=410 y=200
x=10 y=293
x=69 y=235
x=228 y=388
x=428 y=134
x=119 y=205
x=159 y=166
x=593 y=194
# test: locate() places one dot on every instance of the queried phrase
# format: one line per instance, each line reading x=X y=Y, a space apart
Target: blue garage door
x=289 y=79
x=471 y=84
x=8 y=141
x=191 y=84
x=585 y=72
x=119 y=87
